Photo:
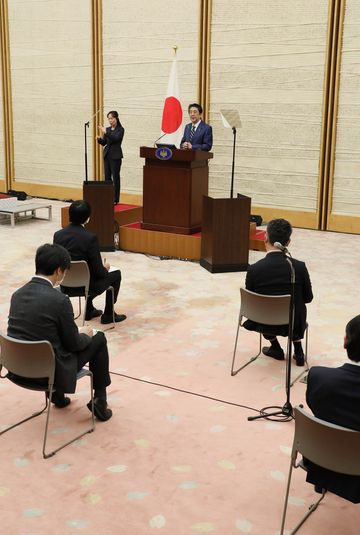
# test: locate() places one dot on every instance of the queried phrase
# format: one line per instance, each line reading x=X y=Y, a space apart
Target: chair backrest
x=27 y=359
x=267 y=309
x=77 y=276
x=328 y=445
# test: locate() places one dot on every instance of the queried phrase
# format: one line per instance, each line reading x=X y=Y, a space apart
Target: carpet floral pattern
x=179 y=456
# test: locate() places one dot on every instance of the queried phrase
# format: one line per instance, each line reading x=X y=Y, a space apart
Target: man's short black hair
x=279 y=230
x=197 y=106
x=50 y=257
x=352 y=331
x=79 y=212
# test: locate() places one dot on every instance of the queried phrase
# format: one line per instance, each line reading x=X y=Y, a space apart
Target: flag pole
x=175 y=47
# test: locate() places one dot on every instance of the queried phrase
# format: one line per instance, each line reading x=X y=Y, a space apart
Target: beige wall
x=137 y=42
x=268 y=61
x=51 y=73
x=346 y=190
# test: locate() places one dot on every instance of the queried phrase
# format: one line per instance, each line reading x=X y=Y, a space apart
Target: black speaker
x=20 y=195
x=256 y=219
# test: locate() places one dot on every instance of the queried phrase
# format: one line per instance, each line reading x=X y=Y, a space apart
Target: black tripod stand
x=284 y=413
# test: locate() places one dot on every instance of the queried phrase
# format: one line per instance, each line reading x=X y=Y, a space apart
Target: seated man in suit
x=40 y=312
x=197 y=134
x=84 y=245
x=272 y=276
x=333 y=394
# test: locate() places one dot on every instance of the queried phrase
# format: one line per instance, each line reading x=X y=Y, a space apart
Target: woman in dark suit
x=111 y=138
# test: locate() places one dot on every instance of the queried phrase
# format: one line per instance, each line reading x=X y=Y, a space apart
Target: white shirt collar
x=44 y=278
x=196 y=124
x=353 y=362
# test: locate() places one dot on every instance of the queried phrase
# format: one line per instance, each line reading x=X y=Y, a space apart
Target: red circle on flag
x=172 y=115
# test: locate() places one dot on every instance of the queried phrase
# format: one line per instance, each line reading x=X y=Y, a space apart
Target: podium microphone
x=158 y=139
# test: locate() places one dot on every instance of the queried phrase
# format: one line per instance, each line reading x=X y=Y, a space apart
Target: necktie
x=192 y=133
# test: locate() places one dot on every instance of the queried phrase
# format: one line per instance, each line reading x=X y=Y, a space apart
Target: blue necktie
x=192 y=133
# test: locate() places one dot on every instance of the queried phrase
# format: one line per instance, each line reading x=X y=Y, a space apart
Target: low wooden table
x=12 y=207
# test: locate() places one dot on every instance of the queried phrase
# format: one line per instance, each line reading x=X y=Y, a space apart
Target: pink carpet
x=168 y=461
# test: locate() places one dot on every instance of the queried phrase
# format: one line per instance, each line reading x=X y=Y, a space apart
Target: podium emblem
x=163 y=153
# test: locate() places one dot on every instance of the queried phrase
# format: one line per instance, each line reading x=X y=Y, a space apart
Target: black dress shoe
x=299 y=359
x=107 y=318
x=277 y=354
x=59 y=400
x=101 y=409
x=94 y=313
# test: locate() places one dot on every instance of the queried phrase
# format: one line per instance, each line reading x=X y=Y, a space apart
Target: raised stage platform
x=123 y=214
x=185 y=246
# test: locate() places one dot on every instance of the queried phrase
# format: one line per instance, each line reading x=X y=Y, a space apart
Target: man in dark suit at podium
x=333 y=394
x=197 y=134
x=84 y=245
x=272 y=276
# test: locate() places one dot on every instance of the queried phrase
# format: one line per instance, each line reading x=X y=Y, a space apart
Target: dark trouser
x=272 y=336
x=113 y=278
x=112 y=173
x=96 y=354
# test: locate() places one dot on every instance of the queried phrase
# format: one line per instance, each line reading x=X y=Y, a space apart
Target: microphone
x=158 y=139
x=91 y=118
x=280 y=246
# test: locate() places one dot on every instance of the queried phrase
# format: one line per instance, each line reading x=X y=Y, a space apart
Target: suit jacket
x=40 y=312
x=333 y=394
x=202 y=139
x=272 y=276
x=84 y=245
x=112 y=143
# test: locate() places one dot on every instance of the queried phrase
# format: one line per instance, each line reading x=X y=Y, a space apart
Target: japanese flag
x=172 y=113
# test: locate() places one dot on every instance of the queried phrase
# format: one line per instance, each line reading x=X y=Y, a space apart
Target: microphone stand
x=86 y=125
x=233 y=164
x=284 y=413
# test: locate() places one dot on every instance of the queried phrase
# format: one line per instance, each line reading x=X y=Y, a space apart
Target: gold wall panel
x=138 y=38
x=51 y=76
x=268 y=61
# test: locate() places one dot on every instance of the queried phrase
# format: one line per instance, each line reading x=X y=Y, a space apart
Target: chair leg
x=90 y=430
x=286 y=499
x=312 y=507
x=235 y=347
x=78 y=316
x=38 y=413
x=85 y=309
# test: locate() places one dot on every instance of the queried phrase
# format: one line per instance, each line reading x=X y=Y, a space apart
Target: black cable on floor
x=185 y=391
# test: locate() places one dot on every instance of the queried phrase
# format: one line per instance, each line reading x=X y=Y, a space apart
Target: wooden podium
x=225 y=234
x=100 y=196
x=173 y=190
